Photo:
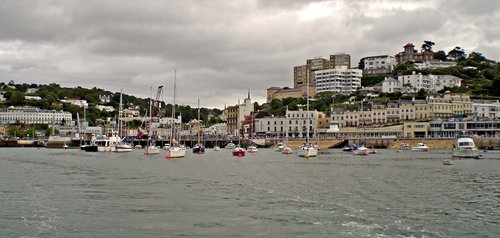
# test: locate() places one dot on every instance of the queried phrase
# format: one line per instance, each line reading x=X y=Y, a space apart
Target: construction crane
x=156 y=102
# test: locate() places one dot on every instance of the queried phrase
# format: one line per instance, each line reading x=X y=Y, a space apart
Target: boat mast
x=173 y=110
x=307 y=112
x=120 y=109
x=198 y=131
x=150 y=116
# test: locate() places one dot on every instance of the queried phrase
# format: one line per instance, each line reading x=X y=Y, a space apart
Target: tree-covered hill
x=52 y=94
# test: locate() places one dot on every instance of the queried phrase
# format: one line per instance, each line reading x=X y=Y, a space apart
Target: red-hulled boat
x=238 y=151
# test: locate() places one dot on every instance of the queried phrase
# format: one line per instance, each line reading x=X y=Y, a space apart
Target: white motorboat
x=287 y=150
x=279 y=147
x=216 y=148
x=404 y=146
x=230 y=145
x=447 y=162
x=465 y=148
x=123 y=147
x=420 y=147
x=252 y=149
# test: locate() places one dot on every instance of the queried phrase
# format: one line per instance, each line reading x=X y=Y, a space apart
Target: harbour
x=71 y=193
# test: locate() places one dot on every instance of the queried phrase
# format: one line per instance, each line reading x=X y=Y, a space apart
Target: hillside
x=52 y=94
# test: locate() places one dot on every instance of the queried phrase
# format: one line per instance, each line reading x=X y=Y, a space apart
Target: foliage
x=51 y=95
x=372 y=80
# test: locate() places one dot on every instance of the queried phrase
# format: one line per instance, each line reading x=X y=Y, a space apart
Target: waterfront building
x=455 y=128
x=415 y=129
x=236 y=115
x=33 y=115
x=340 y=60
x=379 y=64
x=406 y=111
x=410 y=54
x=339 y=80
x=217 y=129
x=486 y=108
x=450 y=106
x=293 y=125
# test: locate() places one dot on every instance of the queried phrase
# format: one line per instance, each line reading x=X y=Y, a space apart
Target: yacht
x=420 y=147
x=307 y=151
x=230 y=145
x=238 y=151
x=360 y=150
x=252 y=149
x=176 y=151
x=404 y=146
x=280 y=147
x=287 y=150
x=465 y=148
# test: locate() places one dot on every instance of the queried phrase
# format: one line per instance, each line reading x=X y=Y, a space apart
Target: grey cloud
x=223 y=48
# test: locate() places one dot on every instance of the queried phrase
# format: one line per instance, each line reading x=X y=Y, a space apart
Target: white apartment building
x=442 y=81
x=432 y=83
x=105 y=108
x=217 y=129
x=294 y=124
x=76 y=102
x=414 y=82
x=379 y=64
x=340 y=80
x=391 y=85
x=33 y=115
x=486 y=108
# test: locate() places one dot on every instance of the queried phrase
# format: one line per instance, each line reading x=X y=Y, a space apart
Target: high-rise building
x=340 y=59
x=340 y=80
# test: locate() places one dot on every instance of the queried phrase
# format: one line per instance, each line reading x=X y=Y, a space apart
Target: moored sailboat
x=175 y=150
x=307 y=150
x=199 y=148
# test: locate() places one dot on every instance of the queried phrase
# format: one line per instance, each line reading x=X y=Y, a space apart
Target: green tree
x=440 y=55
x=456 y=54
x=427 y=46
x=17 y=99
x=14 y=131
x=276 y=107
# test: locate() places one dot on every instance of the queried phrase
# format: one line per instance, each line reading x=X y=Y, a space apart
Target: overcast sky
x=222 y=48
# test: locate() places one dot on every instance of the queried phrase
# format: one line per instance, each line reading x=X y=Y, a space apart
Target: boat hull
x=466 y=153
x=176 y=153
x=123 y=148
x=308 y=152
x=199 y=150
x=152 y=150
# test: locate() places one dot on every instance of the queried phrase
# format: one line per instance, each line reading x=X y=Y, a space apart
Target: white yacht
x=420 y=147
x=176 y=152
x=360 y=150
x=307 y=151
x=230 y=145
x=280 y=147
x=465 y=148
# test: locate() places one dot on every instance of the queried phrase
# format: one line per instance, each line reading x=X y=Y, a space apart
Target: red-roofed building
x=410 y=54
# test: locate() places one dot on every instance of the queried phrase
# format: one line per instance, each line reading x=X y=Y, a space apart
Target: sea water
x=72 y=193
